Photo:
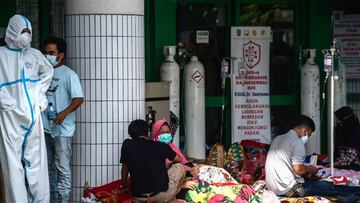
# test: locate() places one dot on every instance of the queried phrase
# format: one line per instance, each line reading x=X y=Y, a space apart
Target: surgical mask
x=304 y=138
x=165 y=138
x=51 y=59
x=23 y=40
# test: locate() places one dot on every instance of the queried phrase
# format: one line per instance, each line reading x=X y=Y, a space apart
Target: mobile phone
x=190 y=164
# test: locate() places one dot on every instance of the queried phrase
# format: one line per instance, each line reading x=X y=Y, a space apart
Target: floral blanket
x=212 y=174
x=309 y=199
x=203 y=192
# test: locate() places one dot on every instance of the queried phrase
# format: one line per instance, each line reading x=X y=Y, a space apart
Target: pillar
x=106 y=49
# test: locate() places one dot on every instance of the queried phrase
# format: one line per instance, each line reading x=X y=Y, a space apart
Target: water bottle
x=51 y=113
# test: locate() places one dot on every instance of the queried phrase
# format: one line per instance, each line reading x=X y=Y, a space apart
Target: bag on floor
x=234 y=160
x=255 y=158
x=216 y=156
x=111 y=193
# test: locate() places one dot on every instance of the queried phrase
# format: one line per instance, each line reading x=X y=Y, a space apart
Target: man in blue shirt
x=66 y=96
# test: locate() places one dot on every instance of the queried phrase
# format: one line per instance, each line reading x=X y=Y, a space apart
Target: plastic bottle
x=51 y=113
x=86 y=192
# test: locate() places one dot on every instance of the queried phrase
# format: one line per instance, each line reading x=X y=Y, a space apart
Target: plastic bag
x=255 y=158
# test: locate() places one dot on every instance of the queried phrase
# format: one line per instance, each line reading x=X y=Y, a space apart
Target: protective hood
x=344 y=112
x=13 y=32
x=347 y=129
x=156 y=128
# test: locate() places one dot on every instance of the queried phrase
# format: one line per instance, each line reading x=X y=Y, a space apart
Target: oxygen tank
x=169 y=71
x=194 y=79
x=310 y=99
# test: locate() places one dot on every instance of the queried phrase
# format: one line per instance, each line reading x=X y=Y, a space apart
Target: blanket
x=341 y=176
x=309 y=199
x=203 y=192
x=212 y=174
x=109 y=193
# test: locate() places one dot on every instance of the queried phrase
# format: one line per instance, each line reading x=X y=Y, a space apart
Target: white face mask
x=304 y=138
x=23 y=40
x=51 y=59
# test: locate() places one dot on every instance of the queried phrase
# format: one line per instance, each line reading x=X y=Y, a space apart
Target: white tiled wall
x=107 y=52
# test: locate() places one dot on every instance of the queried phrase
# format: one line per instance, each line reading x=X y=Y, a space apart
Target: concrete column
x=106 y=48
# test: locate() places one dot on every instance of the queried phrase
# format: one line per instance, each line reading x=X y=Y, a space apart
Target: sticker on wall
x=202 y=36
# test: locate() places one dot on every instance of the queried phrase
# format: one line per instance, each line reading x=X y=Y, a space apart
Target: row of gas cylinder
x=194 y=98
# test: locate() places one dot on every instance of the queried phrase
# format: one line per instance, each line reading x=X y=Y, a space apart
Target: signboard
x=250 y=48
x=202 y=36
x=347 y=34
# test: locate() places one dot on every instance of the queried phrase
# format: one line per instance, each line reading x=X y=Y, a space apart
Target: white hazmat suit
x=25 y=75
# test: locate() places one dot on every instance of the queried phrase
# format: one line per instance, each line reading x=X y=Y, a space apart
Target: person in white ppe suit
x=25 y=75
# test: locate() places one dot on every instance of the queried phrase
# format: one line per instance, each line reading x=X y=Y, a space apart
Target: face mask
x=165 y=138
x=23 y=41
x=304 y=138
x=51 y=59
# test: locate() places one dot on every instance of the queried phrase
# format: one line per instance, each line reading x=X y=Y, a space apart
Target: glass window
x=209 y=19
x=281 y=20
x=282 y=65
x=192 y=18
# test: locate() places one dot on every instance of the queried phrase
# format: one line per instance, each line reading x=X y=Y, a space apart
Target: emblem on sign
x=238 y=32
x=262 y=32
x=197 y=76
x=254 y=33
x=251 y=54
x=246 y=32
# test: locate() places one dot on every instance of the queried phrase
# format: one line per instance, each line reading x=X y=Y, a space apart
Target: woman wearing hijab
x=347 y=139
x=163 y=133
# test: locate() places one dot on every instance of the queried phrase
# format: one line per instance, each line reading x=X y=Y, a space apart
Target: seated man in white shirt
x=285 y=169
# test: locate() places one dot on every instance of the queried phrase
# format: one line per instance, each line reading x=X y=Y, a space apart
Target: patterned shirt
x=347 y=156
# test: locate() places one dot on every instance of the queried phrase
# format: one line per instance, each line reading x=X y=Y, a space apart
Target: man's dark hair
x=59 y=42
x=138 y=128
x=304 y=121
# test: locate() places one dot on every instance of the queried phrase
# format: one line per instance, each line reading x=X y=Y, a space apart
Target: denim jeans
x=323 y=188
x=59 y=156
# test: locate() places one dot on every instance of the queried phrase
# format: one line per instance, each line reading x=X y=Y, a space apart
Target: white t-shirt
x=285 y=150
